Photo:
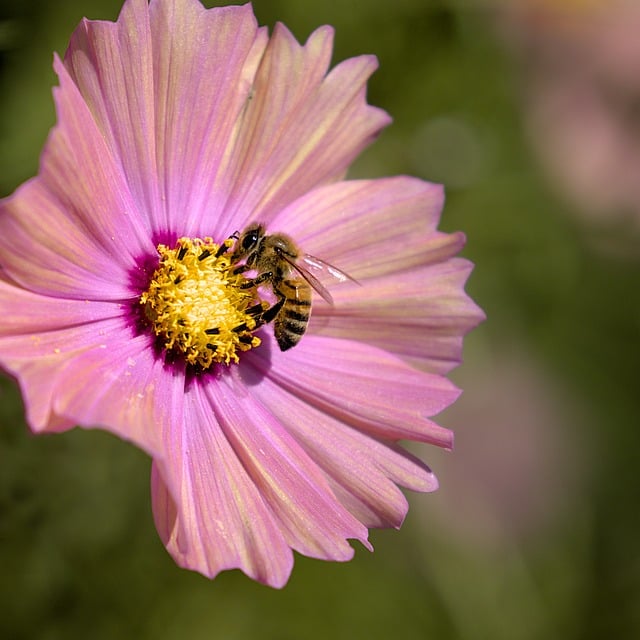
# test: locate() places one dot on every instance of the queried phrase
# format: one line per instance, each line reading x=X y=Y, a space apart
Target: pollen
x=198 y=307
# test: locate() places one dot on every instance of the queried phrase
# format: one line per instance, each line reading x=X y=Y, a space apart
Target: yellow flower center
x=197 y=305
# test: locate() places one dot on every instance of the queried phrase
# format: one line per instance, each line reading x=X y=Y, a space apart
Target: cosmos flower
x=126 y=307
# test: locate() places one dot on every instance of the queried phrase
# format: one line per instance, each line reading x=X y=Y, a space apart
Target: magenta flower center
x=198 y=306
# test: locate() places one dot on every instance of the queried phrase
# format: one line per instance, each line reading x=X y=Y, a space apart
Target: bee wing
x=317 y=265
x=315 y=284
x=307 y=265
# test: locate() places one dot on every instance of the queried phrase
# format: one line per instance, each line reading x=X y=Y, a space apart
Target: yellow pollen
x=196 y=306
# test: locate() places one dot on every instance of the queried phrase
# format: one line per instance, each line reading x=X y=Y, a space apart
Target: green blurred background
x=533 y=533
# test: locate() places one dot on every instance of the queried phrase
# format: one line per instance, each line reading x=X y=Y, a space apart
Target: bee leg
x=255 y=282
x=225 y=246
x=271 y=313
x=264 y=316
x=256 y=312
x=222 y=249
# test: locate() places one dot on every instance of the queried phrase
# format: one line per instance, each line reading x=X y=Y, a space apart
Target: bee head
x=248 y=241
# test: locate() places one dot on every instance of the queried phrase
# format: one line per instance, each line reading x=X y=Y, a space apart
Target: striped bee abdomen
x=293 y=318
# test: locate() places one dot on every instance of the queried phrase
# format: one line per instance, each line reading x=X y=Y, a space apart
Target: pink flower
x=122 y=308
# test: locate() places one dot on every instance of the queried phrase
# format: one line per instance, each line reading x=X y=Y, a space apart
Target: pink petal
x=361 y=470
x=26 y=313
x=125 y=395
x=60 y=229
x=205 y=63
x=63 y=345
x=396 y=216
x=40 y=335
x=208 y=511
x=411 y=298
x=53 y=369
x=362 y=386
x=166 y=85
x=301 y=128
x=313 y=521
x=112 y=66
x=421 y=314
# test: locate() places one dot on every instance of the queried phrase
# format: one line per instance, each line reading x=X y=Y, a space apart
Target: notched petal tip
x=319 y=39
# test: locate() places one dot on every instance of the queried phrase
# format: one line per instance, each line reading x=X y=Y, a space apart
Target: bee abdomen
x=292 y=321
x=294 y=316
x=290 y=326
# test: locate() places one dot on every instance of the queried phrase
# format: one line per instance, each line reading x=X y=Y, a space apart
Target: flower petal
x=361 y=470
x=112 y=66
x=60 y=229
x=410 y=299
x=205 y=63
x=313 y=521
x=91 y=342
x=26 y=313
x=208 y=511
x=397 y=216
x=362 y=386
x=125 y=394
x=166 y=84
x=53 y=368
x=40 y=336
x=301 y=128
x=421 y=314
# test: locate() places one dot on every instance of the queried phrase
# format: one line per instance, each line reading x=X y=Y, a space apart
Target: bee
x=286 y=269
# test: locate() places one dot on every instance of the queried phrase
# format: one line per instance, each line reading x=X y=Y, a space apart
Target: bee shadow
x=255 y=364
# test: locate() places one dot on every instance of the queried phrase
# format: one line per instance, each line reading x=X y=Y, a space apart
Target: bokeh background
x=529 y=112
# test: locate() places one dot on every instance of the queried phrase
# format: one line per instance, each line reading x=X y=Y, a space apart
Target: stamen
x=197 y=305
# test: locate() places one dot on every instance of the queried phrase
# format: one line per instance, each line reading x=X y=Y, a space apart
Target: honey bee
x=281 y=264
